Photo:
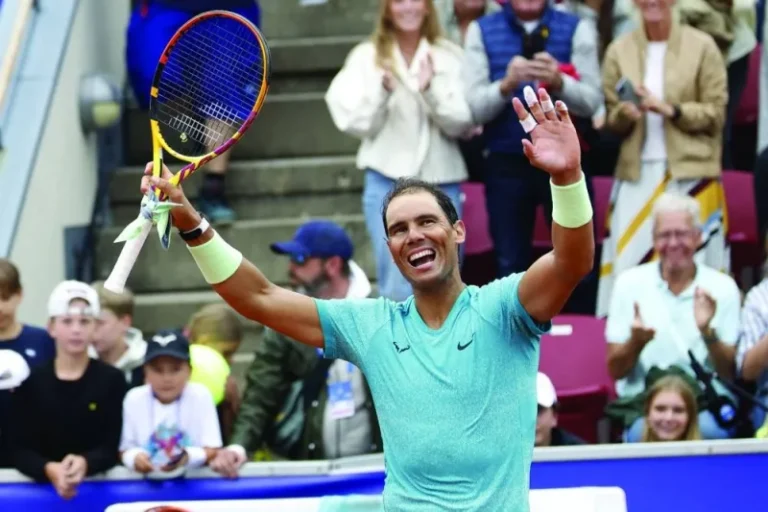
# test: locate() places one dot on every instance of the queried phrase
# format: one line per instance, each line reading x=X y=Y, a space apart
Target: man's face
x=423 y=243
x=546 y=420
x=110 y=331
x=528 y=10
x=310 y=275
x=74 y=331
x=675 y=239
x=469 y=6
x=654 y=11
x=8 y=307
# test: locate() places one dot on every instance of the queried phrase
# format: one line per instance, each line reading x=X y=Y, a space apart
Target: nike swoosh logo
x=462 y=347
x=400 y=350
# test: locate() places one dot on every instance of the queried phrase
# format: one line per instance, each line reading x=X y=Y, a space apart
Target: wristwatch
x=709 y=336
x=195 y=233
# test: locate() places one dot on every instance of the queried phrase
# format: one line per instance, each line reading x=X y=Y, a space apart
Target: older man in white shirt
x=662 y=309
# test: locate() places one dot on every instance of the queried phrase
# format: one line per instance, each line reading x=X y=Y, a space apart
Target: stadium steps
x=265 y=189
x=174 y=270
x=289 y=125
x=293 y=164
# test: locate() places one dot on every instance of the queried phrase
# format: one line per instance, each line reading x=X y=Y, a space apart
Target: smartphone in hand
x=626 y=91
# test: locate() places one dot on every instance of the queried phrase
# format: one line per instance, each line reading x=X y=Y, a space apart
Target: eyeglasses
x=676 y=234
x=299 y=259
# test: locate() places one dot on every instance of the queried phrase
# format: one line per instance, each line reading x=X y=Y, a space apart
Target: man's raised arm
x=554 y=148
x=237 y=280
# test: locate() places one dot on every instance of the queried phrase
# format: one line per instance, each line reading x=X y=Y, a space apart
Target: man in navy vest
x=526 y=43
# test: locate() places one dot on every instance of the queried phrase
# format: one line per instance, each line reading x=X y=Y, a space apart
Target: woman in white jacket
x=401 y=93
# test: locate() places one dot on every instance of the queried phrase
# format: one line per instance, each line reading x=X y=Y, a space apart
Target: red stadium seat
x=475 y=217
x=740 y=204
x=580 y=412
x=479 y=265
x=746 y=246
x=602 y=186
x=574 y=355
x=542 y=237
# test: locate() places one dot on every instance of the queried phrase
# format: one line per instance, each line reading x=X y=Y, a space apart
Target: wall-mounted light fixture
x=100 y=105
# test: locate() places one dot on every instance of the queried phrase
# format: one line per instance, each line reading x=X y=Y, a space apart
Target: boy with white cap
x=547 y=431
x=66 y=417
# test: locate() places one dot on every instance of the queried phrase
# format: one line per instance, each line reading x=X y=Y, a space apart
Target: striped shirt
x=754 y=325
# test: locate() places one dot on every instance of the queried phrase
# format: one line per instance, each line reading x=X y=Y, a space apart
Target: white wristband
x=195 y=233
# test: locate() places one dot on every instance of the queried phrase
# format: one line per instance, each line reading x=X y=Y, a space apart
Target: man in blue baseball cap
x=321 y=260
x=335 y=415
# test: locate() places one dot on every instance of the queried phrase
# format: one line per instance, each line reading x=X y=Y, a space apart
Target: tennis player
x=452 y=369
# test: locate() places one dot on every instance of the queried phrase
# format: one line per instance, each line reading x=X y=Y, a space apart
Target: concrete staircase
x=293 y=164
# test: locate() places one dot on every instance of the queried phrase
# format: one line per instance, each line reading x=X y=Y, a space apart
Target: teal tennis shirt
x=456 y=405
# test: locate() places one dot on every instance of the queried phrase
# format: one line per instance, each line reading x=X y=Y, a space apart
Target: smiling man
x=452 y=369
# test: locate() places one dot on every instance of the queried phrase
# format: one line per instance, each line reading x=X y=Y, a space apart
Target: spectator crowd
x=653 y=87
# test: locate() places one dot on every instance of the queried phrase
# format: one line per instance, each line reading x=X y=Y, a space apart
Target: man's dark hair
x=10 y=282
x=412 y=186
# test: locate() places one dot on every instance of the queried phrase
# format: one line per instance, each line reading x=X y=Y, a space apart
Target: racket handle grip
x=119 y=276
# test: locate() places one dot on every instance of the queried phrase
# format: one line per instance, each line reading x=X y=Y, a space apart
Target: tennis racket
x=208 y=87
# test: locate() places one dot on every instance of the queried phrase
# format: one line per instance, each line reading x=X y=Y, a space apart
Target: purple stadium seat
x=740 y=204
x=747 y=111
x=475 y=217
x=573 y=355
x=746 y=246
x=542 y=237
x=602 y=186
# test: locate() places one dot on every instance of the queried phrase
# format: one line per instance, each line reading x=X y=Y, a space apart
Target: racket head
x=208 y=87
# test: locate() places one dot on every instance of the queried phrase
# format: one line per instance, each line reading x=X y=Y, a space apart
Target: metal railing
x=9 y=55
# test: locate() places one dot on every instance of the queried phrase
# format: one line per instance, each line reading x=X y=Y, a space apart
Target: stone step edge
x=291 y=42
x=269 y=163
x=259 y=223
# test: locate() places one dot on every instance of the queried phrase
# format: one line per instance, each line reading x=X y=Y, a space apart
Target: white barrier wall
x=587 y=499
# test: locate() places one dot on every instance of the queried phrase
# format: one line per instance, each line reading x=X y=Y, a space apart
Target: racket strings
x=209 y=85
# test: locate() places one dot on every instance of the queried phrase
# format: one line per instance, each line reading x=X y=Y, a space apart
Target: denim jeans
x=707 y=426
x=392 y=284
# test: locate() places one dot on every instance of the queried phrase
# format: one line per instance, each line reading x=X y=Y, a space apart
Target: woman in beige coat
x=672 y=137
